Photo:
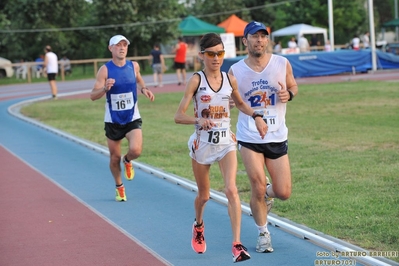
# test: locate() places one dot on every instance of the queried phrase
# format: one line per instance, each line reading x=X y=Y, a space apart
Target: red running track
x=41 y=225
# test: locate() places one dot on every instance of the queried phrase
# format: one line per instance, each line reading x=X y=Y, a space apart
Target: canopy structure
x=300 y=29
x=235 y=25
x=391 y=23
x=192 y=26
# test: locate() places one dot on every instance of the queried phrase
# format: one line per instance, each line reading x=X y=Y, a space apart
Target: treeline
x=81 y=29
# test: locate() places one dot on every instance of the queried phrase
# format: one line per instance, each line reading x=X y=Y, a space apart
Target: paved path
x=57 y=204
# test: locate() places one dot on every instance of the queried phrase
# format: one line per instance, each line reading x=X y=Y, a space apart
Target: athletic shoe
x=120 y=194
x=198 y=241
x=269 y=200
x=264 y=244
x=240 y=253
x=129 y=171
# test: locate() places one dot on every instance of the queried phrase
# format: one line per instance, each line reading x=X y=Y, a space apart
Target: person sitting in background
x=314 y=43
x=292 y=43
x=67 y=65
x=355 y=43
x=303 y=44
x=39 y=67
x=277 y=48
x=327 y=46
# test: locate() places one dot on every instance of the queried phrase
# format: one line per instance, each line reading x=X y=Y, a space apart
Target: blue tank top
x=121 y=105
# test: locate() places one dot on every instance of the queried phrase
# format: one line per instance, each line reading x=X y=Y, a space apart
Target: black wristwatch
x=291 y=95
x=256 y=114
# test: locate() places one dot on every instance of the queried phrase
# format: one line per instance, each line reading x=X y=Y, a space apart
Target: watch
x=291 y=95
x=257 y=114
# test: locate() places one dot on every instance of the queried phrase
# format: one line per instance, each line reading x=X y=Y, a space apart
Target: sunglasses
x=211 y=54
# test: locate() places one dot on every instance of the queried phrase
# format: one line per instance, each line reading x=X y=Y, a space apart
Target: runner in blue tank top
x=118 y=80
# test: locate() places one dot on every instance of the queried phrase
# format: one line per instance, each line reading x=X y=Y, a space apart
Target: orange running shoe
x=120 y=194
x=129 y=171
x=240 y=252
x=198 y=241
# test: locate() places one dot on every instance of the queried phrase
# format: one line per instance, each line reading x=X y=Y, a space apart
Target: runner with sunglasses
x=210 y=90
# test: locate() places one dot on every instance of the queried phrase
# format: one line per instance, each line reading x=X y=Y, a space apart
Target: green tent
x=192 y=26
x=391 y=23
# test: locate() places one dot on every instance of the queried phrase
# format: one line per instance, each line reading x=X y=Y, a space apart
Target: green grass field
x=343 y=148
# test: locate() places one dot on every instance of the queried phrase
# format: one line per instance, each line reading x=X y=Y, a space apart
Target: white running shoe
x=264 y=244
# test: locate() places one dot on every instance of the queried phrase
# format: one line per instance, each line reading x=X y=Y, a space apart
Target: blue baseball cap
x=253 y=27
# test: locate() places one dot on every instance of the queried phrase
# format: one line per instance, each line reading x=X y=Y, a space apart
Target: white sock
x=262 y=229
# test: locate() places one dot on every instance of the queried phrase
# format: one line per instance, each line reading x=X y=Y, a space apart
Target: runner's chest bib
x=122 y=101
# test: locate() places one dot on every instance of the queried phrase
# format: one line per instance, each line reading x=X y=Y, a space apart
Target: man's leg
x=135 y=140
x=178 y=73
x=115 y=159
x=53 y=86
x=183 y=76
x=254 y=165
x=280 y=173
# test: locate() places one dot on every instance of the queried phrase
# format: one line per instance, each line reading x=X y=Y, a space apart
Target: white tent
x=300 y=29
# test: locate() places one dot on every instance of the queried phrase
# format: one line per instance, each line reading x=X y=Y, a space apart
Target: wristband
x=257 y=114
x=291 y=95
x=143 y=88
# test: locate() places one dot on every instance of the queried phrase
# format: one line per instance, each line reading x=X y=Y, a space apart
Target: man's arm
x=100 y=85
x=140 y=81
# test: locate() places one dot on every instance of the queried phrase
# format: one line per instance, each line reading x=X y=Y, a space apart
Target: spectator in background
x=327 y=46
x=158 y=65
x=314 y=42
x=292 y=43
x=51 y=65
x=355 y=43
x=366 y=40
x=66 y=64
x=303 y=44
x=277 y=48
x=39 y=67
x=180 y=60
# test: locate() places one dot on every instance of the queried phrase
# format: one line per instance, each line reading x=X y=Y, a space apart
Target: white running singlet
x=258 y=90
x=208 y=146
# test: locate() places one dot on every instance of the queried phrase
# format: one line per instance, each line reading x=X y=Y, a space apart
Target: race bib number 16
x=122 y=101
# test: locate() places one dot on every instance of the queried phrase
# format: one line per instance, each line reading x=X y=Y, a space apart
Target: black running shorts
x=51 y=76
x=269 y=150
x=117 y=132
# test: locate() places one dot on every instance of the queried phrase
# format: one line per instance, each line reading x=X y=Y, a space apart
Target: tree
x=34 y=15
x=215 y=11
x=142 y=22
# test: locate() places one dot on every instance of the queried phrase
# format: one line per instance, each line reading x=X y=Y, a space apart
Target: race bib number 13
x=122 y=101
x=220 y=134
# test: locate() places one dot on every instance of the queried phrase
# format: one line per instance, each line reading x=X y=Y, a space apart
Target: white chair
x=21 y=71
x=36 y=71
